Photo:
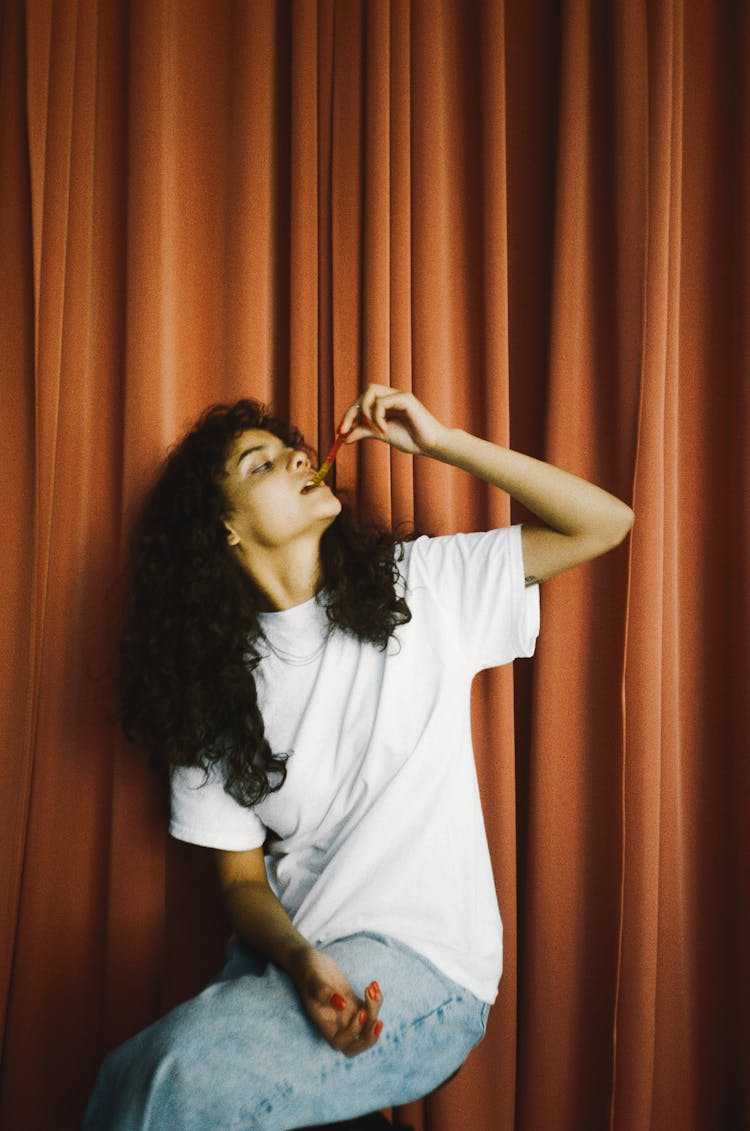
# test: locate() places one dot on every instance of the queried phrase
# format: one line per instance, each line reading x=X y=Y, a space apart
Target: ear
x=233 y=537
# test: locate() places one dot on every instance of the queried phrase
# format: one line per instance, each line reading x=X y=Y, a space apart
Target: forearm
x=262 y=922
x=564 y=502
x=348 y=1021
x=577 y=521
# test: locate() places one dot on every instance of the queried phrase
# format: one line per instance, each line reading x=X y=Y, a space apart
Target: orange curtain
x=533 y=213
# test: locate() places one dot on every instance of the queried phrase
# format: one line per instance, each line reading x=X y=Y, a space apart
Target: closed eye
x=262 y=466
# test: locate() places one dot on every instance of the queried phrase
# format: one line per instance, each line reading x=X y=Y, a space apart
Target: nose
x=300 y=459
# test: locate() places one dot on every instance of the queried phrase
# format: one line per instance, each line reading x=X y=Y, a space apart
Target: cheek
x=270 y=518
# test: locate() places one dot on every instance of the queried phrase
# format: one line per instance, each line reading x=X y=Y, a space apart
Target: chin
x=334 y=506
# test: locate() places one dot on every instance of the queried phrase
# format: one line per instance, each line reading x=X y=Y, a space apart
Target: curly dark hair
x=188 y=645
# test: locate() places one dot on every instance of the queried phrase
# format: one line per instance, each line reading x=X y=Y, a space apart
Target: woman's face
x=268 y=504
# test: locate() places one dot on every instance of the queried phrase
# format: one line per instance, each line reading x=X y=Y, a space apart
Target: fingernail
x=361 y=1017
x=377 y=1028
x=338 y=1002
x=372 y=990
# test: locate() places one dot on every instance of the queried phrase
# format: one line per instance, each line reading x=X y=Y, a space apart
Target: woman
x=309 y=687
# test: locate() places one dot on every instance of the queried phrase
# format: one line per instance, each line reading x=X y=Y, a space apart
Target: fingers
x=397 y=417
x=364 y=1028
x=349 y=419
x=371 y=1026
x=374 y=404
x=356 y=424
x=349 y=1023
x=367 y=416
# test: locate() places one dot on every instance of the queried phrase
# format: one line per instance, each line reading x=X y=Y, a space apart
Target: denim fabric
x=243 y=1056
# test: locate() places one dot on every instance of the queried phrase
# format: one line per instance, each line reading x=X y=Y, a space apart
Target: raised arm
x=348 y=1022
x=577 y=521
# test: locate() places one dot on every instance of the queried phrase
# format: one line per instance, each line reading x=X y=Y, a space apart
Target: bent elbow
x=620 y=528
x=610 y=534
x=628 y=518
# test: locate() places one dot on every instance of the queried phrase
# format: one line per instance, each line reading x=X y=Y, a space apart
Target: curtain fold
x=568 y=931
x=649 y=783
x=535 y=216
x=685 y=895
x=17 y=654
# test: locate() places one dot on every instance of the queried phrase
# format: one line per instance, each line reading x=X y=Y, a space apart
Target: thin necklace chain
x=291 y=658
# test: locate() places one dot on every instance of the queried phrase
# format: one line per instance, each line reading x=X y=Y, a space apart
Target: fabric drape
x=534 y=214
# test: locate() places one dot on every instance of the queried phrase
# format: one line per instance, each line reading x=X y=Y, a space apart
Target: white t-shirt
x=378 y=826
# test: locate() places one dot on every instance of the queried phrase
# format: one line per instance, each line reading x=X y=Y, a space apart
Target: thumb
x=320 y=990
x=323 y=993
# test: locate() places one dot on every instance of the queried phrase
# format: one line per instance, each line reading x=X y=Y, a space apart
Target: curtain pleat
x=535 y=216
x=648 y=695
x=17 y=651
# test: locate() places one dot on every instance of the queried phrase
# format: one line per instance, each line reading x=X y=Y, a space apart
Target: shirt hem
x=206 y=840
x=480 y=988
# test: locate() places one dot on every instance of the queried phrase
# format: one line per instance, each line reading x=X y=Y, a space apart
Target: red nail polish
x=338 y=1002
x=361 y=1017
x=372 y=991
x=378 y=1028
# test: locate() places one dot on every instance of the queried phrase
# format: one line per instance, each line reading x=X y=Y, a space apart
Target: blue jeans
x=243 y=1056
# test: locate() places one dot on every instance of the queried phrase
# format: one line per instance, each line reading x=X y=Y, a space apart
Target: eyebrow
x=249 y=452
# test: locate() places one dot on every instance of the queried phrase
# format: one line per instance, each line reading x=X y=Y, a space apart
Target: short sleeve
x=202 y=812
x=478 y=583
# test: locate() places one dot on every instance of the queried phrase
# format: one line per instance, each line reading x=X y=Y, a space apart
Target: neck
x=287 y=579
